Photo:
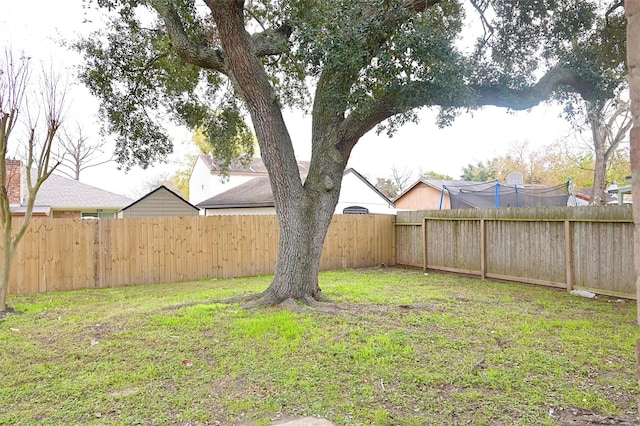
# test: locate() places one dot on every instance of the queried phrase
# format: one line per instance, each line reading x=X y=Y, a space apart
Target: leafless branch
x=77 y=153
x=487 y=28
x=44 y=109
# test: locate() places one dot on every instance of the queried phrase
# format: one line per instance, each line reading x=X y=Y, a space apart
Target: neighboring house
x=425 y=194
x=613 y=195
x=435 y=194
x=61 y=197
x=160 y=202
x=256 y=197
x=205 y=180
x=357 y=191
x=583 y=196
x=252 y=197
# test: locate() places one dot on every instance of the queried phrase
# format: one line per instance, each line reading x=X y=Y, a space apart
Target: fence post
x=568 y=242
x=483 y=249
x=638 y=369
x=425 y=244
x=97 y=246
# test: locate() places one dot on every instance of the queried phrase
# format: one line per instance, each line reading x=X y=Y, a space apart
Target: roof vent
x=355 y=210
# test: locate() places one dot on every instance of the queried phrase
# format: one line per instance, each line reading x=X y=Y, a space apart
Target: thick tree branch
x=271 y=42
x=329 y=110
x=252 y=81
x=204 y=54
x=369 y=114
x=201 y=54
x=528 y=97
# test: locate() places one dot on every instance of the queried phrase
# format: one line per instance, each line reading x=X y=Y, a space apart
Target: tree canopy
x=381 y=59
x=354 y=64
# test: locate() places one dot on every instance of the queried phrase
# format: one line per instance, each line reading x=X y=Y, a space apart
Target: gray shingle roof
x=37 y=210
x=158 y=189
x=61 y=192
x=255 y=193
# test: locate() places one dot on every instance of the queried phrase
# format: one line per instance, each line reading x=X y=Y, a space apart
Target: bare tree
x=607 y=124
x=401 y=178
x=78 y=153
x=387 y=187
x=40 y=111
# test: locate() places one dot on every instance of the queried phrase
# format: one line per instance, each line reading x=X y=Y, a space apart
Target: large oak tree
x=357 y=64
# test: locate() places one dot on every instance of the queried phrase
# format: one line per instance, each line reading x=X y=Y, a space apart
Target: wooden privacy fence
x=588 y=248
x=73 y=254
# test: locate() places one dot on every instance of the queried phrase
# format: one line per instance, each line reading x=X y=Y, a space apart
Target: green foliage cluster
x=548 y=165
x=375 y=61
x=435 y=175
x=482 y=171
x=132 y=67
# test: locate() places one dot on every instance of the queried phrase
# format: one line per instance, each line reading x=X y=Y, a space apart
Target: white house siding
x=203 y=184
x=355 y=192
x=199 y=182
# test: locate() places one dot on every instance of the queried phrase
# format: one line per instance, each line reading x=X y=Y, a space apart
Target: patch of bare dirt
x=9 y=311
x=576 y=417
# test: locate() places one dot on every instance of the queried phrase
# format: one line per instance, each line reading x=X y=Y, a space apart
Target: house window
x=98 y=215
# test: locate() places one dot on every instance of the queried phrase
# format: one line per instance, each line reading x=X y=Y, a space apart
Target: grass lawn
x=403 y=348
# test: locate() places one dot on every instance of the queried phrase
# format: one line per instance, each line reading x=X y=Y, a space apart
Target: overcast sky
x=37 y=26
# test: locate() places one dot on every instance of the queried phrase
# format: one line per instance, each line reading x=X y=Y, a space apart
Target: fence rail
x=587 y=248
x=72 y=254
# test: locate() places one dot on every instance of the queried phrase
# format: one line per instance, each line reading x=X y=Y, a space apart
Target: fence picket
x=587 y=248
x=71 y=254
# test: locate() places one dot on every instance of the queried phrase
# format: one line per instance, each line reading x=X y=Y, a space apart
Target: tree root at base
x=9 y=311
x=306 y=303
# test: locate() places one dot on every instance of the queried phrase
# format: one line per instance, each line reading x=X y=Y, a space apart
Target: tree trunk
x=302 y=234
x=599 y=138
x=632 y=11
x=598 y=196
x=304 y=211
x=5 y=268
x=303 y=227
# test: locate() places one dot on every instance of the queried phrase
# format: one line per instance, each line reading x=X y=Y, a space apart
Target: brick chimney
x=14 y=181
